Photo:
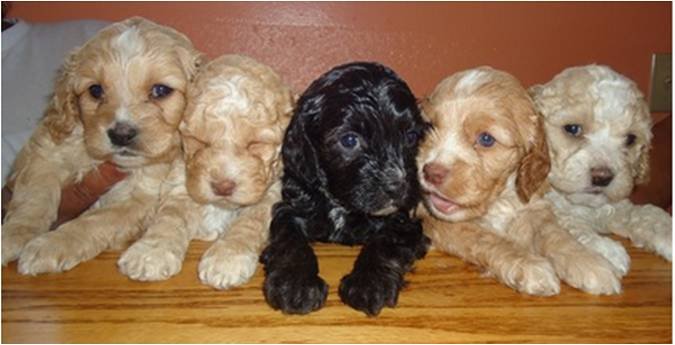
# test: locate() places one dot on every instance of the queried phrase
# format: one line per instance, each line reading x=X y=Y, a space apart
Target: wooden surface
x=446 y=301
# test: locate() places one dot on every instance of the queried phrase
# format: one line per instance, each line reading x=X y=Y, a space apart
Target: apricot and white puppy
x=120 y=97
x=483 y=171
x=598 y=127
x=232 y=130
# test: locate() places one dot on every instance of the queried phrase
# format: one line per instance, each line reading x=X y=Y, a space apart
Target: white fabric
x=31 y=55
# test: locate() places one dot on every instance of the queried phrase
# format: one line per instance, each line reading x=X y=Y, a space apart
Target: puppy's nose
x=122 y=134
x=224 y=187
x=601 y=177
x=434 y=173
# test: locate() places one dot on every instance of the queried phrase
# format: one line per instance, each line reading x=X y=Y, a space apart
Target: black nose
x=601 y=177
x=122 y=134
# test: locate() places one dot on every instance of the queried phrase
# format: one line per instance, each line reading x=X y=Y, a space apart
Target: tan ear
x=534 y=167
x=641 y=166
x=63 y=113
x=192 y=61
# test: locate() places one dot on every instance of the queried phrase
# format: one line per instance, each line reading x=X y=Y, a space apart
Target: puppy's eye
x=96 y=91
x=349 y=141
x=160 y=91
x=573 y=129
x=630 y=139
x=412 y=137
x=486 y=140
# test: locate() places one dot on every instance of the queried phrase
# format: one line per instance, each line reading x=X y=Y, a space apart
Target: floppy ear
x=299 y=155
x=192 y=60
x=63 y=113
x=534 y=167
x=641 y=166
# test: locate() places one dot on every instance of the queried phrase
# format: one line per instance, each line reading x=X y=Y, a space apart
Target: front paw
x=657 y=221
x=14 y=239
x=223 y=269
x=149 y=262
x=294 y=292
x=611 y=250
x=51 y=252
x=370 y=292
x=533 y=275
x=589 y=272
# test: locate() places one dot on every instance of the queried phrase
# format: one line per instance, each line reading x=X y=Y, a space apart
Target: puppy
x=598 y=127
x=349 y=177
x=118 y=98
x=483 y=172
x=237 y=112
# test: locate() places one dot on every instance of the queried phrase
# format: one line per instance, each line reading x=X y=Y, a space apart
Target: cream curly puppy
x=120 y=97
x=598 y=127
x=483 y=172
x=232 y=130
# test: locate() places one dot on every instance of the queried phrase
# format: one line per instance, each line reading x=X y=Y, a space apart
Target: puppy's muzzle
x=434 y=173
x=223 y=188
x=601 y=176
x=122 y=134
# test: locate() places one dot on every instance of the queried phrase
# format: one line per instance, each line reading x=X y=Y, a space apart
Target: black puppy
x=349 y=177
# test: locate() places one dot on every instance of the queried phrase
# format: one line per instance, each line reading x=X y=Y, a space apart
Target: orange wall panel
x=423 y=42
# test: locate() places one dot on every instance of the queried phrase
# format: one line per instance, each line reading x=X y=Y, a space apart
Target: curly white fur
x=609 y=108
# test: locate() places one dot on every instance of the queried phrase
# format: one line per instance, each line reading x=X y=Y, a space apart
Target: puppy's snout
x=224 y=187
x=602 y=176
x=434 y=173
x=122 y=134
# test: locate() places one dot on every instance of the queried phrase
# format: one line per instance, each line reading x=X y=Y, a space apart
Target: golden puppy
x=120 y=97
x=237 y=112
x=598 y=128
x=483 y=170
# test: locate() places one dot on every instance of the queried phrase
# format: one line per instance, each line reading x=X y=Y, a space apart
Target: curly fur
x=484 y=168
x=232 y=130
x=127 y=60
x=360 y=194
x=608 y=108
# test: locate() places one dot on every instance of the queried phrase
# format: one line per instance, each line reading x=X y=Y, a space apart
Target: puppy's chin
x=446 y=209
x=588 y=199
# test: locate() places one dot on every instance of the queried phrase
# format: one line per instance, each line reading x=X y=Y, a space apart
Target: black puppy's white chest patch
x=338 y=217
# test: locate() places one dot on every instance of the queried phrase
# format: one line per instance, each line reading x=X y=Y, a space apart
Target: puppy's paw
x=294 y=292
x=533 y=275
x=589 y=272
x=14 y=239
x=663 y=241
x=51 y=252
x=148 y=262
x=655 y=231
x=370 y=292
x=612 y=251
x=224 y=269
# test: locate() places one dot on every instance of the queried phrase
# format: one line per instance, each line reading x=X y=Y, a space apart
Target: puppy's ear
x=641 y=166
x=192 y=60
x=299 y=155
x=535 y=165
x=63 y=113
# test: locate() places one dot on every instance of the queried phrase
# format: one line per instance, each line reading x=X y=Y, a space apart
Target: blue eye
x=349 y=141
x=486 y=140
x=160 y=91
x=96 y=91
x=411 y=137
x=573 y=129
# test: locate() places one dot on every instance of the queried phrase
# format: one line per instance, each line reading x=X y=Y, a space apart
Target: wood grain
x=446 y=301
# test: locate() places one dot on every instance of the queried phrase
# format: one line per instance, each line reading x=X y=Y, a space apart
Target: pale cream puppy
x=232 y=130
x=598 y=128
x=120 y=97
x=483 y=170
